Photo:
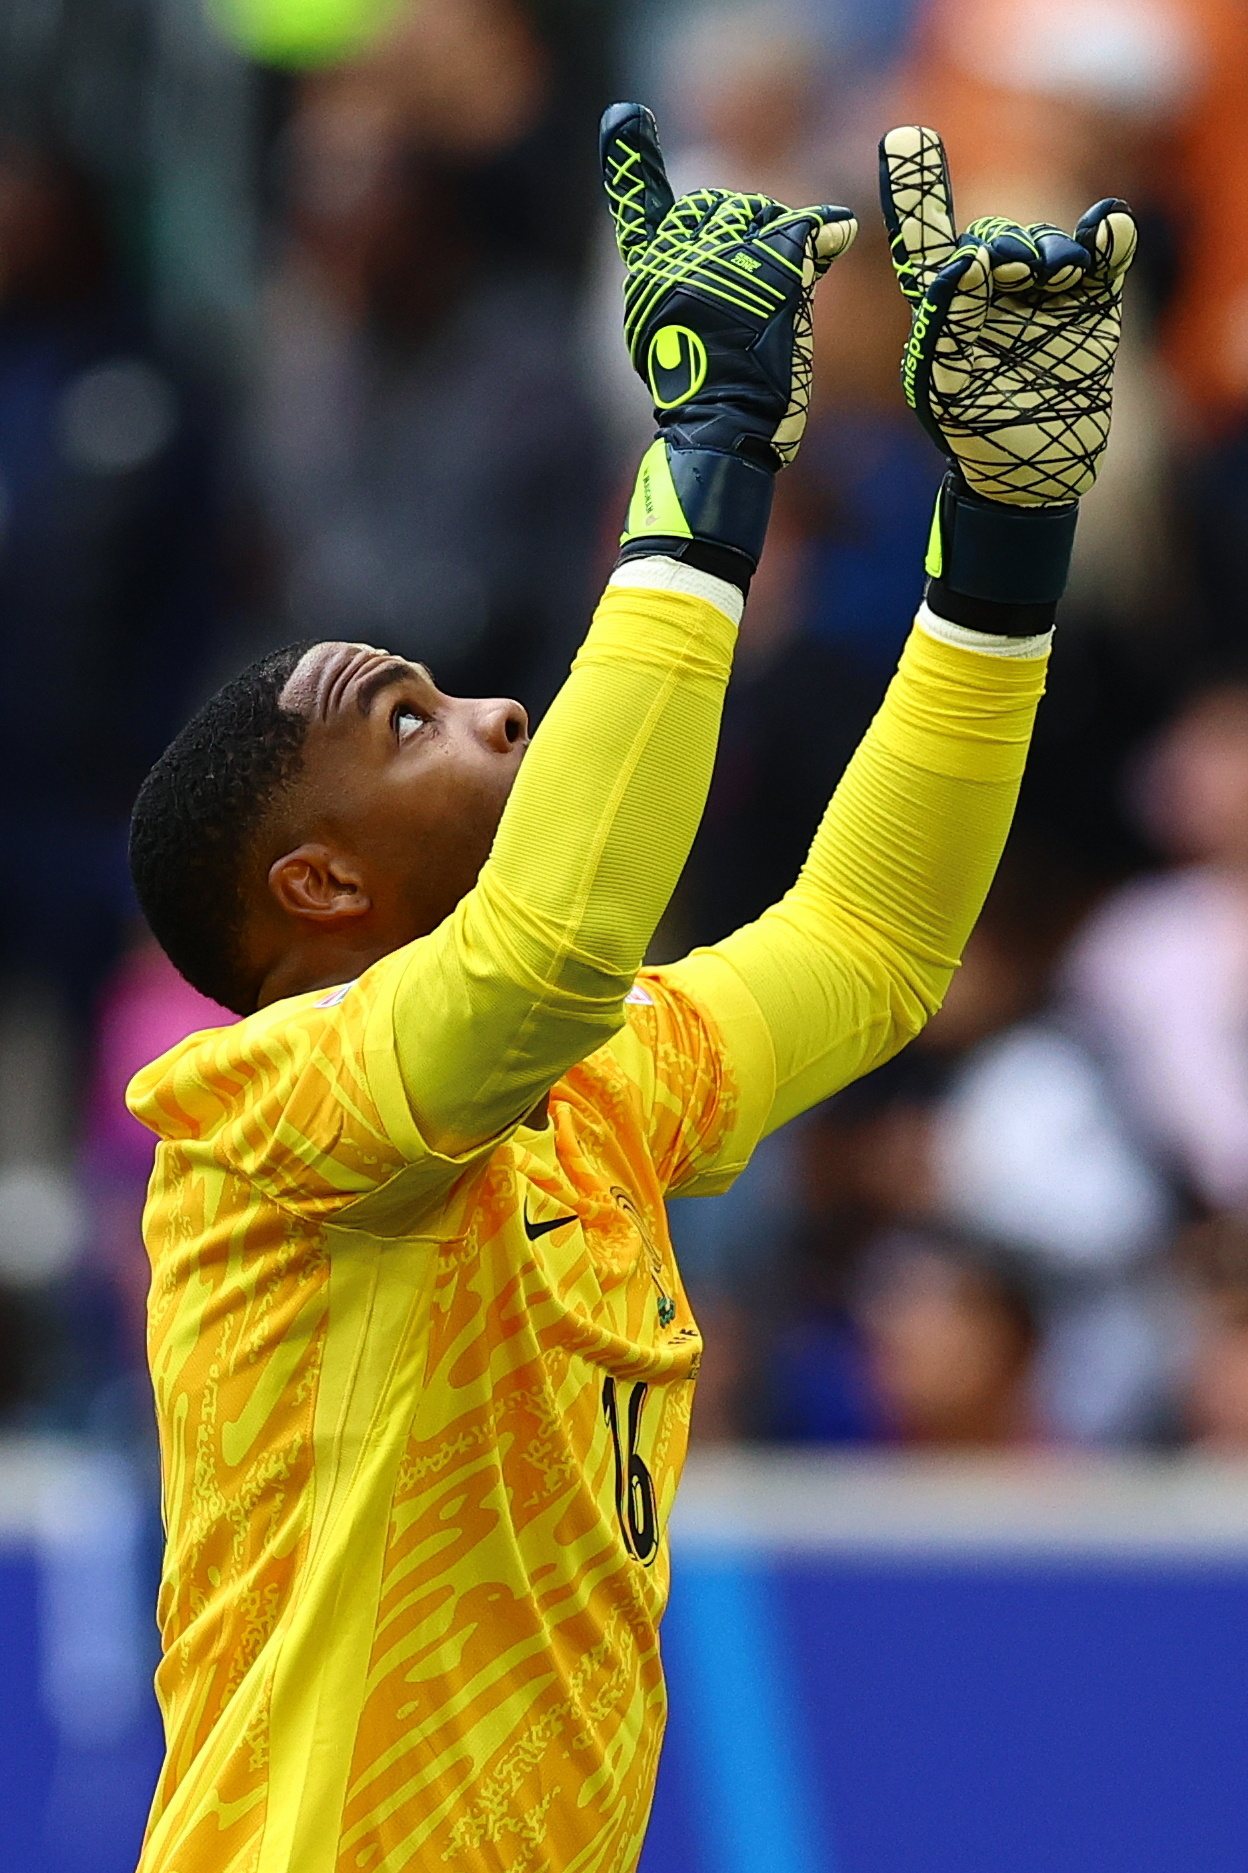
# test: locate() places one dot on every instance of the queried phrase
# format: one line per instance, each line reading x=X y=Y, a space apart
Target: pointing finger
x=917 y=199
x=634 y=176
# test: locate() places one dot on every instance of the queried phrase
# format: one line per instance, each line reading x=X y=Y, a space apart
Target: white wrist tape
x=659 y=574
x=981 y=641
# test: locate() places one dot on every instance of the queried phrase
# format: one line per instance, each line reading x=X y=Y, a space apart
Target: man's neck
x=301 y=974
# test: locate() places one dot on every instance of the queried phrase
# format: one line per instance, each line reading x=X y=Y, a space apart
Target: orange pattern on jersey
x=416 y=1483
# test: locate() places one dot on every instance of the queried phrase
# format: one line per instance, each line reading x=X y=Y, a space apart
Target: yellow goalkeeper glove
x=1009 y=366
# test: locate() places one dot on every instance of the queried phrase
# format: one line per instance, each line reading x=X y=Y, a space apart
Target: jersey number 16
x=635 y=1501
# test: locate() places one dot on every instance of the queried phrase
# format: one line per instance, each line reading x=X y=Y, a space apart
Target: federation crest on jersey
x=653 y=1255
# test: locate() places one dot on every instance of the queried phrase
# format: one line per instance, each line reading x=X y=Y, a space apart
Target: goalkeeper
x=422 y=1359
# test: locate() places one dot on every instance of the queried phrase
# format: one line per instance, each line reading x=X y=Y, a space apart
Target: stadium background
x=962 y=1566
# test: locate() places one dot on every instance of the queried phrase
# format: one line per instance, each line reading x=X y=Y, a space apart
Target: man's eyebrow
x=393 y=672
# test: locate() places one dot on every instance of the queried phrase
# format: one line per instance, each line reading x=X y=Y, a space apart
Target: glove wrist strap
x=700 y=505
x=993 y=567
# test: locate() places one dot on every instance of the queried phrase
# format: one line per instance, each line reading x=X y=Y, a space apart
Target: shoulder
x=207 y=1077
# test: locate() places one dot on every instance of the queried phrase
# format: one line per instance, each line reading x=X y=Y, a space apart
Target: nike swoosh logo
x=533 y=1230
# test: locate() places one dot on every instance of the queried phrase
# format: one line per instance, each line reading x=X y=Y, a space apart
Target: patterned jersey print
x=424 y=1401
x=420 y=1440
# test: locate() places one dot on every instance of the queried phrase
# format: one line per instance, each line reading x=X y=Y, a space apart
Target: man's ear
x=319 y=886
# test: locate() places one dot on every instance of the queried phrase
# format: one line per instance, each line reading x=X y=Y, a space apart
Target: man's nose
x=503 y=723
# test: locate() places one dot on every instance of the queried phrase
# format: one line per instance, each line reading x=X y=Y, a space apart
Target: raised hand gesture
x=717 y=322
x=717 y=298
x=1014 y=330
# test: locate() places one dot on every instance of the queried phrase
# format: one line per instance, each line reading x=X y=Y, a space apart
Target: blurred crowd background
x=309 y=326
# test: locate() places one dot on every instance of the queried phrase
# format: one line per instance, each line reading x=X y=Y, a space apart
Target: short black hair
x=195 y=821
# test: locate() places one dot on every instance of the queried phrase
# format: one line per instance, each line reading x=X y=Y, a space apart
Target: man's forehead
x=316 y=666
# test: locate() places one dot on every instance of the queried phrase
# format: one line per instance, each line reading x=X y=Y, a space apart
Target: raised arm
x=849 y=965
x=530 y=973
x=1009 y=365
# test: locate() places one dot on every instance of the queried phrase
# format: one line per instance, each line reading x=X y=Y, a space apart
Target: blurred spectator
x=975 y=1246
x=753 y=79
x=1001 y=1127
x=950 y=1340
x=1160 y=976
x=1032 y=1143
x=110 y=563
x=111 y=570
x=1215 y=1258
x=426 y=449
x=867 y=475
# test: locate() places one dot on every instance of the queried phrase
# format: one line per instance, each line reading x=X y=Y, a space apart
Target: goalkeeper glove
x=717 y=319
x=1009 y=367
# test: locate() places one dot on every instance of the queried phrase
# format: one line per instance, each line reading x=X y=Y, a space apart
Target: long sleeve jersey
x=422 y=1359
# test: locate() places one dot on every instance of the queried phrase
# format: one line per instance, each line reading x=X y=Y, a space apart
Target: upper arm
x=529 y=973
x=763 y=1025
x=319 y=1116
x=484 y=1015
x=852 y=961
x=835 y=997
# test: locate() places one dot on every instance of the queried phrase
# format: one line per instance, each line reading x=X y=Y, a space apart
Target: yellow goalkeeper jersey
x=422 y=1360
x=416 y=1482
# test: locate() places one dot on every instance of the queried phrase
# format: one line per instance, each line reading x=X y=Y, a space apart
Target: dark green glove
x=718 y=324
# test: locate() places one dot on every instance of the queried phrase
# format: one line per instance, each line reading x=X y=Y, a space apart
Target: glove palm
x=1014 y=332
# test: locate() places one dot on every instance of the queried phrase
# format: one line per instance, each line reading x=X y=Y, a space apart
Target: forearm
x=859 y=954
x=530 y=973
x=855 y=958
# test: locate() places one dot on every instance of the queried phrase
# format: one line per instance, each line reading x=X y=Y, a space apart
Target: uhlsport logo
x=676 y=365
x=914 y=350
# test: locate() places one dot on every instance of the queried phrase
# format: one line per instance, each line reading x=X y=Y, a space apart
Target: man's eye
x=406 y=721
